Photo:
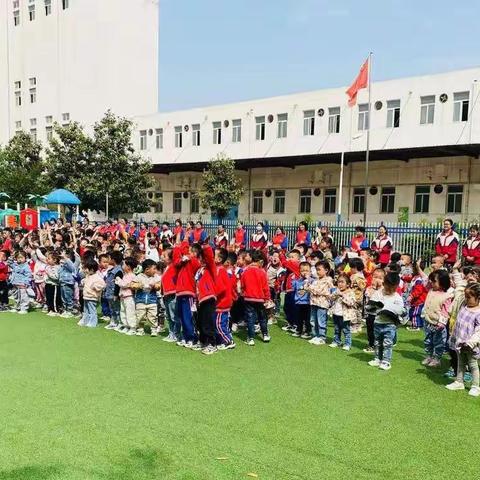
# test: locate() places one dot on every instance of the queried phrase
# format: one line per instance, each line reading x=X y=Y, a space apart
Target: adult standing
x=382 y=244
x=471 y=247
x=240 y=240
x=303 y=235
x=221 y=238
x=198 y=234
x=178 y=230
x=447 y=243
x=259 y=238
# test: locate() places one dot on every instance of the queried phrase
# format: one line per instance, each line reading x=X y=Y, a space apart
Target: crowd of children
x=201 y=289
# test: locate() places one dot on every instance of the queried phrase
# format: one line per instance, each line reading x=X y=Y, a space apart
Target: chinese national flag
x=360 y=82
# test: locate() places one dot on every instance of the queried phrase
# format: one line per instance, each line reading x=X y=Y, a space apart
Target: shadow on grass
x=434 y=375
x=37 y=472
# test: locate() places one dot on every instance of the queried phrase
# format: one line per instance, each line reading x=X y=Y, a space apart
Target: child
x=390 y=315
x=255 y=291
x=92 y=291
x=112 y=290
x=343 y=312
x=416 y=297
x=320 y=292
x=358 y=286
x=146 y=285
x=52 y=284
x=372 y=295
x=4 y=254
x=435 y=313
x=274 y=271
x=168 y=290
x=465 y=338
x=237 y=311
x=103 y=267
x=66 y=275
x=39 y=278
x=302 y=302
x=292 y=266
x=128 y=318
x=21 y=278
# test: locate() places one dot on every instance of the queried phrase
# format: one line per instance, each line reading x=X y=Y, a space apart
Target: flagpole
x=340 y=187
x=367 y=152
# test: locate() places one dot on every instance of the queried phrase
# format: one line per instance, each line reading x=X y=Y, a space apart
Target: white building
x=424 y=141
x=63 y=60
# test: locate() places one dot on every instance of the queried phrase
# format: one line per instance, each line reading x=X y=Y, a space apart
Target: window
x=282 y=124
x=18 y=99
x=454 y=198
x=16 y=17
x=18 y=124
x=427 y=109
x=33 y=134
x=157 y=202
x=48 y=7
x=33 y=122
x=196 y=135
x=236 y=131
x=309 y=122
x=49 y=133
x=18 y=85
x=422 y=198
x=65 y=4
x=334 y=120
x=33 y=81
x=387 y=200
x=260 y=128
x=393 y=113
x=279 y=201
x=16 y=4
x=178 y=137
x=158 y=138
x=143 y=139
x=33 y=95
x=358 y=200
x=31 y=12
x=177 y=202
x=194 y=203
x=48 y=119
x=305 y=201
x=460 y=106
x=363 y=116
x=330 y=200
x=65 y=117
x=217 y=133
x=257 y=201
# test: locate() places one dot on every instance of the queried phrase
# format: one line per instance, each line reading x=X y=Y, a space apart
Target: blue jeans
x=385 y=334
x=174 y=325
x=183 y=310
x=318 y=320
x=255 y=311
x=342 y=327
x=289 y=308
x=105 y=308
x=66 y=291
x=90 y=318
x=434 y=341
x=114 y=307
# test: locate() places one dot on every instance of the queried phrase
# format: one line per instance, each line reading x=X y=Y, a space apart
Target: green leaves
x=222 y=188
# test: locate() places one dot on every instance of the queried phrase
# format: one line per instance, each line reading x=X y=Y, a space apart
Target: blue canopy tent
x=62 y=197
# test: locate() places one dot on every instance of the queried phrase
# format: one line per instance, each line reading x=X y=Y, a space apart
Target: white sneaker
x=22 y=312
x=140 y=332
x=321 y=341
x=474 y=392
x=105 y=318
x=130 y=332
x=66 y=315
x=188 y=344
x=111 y=326
x=154 y=332
x=118 y=328
x=375 y=362
x=13 y=310
x=170 y=338
x=385 y=366
x=334 y=345
x=314 y=340
x=52 y=314
x=197 y=346
x=181 y=343
x=346 y=348
x=266 y=338
x=222 y=346
x=230 y=346
x=257 y=328
x=234 y=327
x=209 y=350
x=305 y=336
x=295 y=334
x=250 y=342
x=455 y=386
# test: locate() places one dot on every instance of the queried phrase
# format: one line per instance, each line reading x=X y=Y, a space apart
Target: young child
x=21 y=279
x=320 y=293
x=128 y=317
x=4 y=270
x=69 y=264
x=103 y=267
x=168 y=290
x=302 y=302
x=146 y=285
x=465 y=340
x=391 y=313
x=373 y=294
x=39 y=278
x=436 y=316
x=292 y=266
x=254 y=285
x=93 y=285
x=358 y=286
x=274 y=271
x=52 y=284
x=237 y=312
x=417 y=294
x=343 y=312
x=112 y=290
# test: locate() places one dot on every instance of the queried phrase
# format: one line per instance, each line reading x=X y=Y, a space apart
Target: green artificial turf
x=94 y=404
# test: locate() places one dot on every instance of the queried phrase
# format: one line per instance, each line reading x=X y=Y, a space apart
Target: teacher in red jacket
x=382 y=244
x=447 y=243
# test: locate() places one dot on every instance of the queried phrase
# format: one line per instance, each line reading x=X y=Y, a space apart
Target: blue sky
x=220 y=51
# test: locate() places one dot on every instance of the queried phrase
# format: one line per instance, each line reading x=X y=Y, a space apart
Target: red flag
x=360 y=82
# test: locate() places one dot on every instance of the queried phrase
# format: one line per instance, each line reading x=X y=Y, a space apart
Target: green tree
x=22 y=168
x=106 y=162
x=222 y=188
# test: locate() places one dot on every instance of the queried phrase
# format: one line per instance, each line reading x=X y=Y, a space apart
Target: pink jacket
x=93 y=286
x=124 y=284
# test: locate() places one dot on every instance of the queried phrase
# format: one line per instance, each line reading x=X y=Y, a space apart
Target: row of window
x=47 y=8
x=427 y=116
x=48 y=126
x=454 y=200
x=156 y=200
x=32 y=91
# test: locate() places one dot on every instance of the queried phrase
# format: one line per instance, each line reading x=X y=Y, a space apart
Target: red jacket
x=224 y=290
x=418 y=293
x=169 y=280
x=382 y=245
x=471 y=248
x=447 y=245
x=293 y=272
x=206 y=277
x=3 y=272
x=186 y=270
x=258 y=241
x=240 y=238
x=233 y=279
x=255 y=284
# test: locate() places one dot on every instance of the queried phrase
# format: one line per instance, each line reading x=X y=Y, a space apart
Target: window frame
x=387 y=199
x=260 y=128
x=461 y=107
x=455 y=196
x=31 y=12
x=393 y=113
x=196 y=136
x=49 y=132
x=257 y=201
x=65 y=4
x=48 y=7
x=282 y=125
x=330 y=197
x=279 y=201
x=305 y=200
x=421 y=198
x=217 y=133
x=143 y=140
x=177 y=199
x=194 y=203
x=159 y=138
x=237 y=130
x=358 y=200
x=178 y=136
x=363 y=123
x=427 y=109
x=308 y=123
x=33 y=95
x=334 y=119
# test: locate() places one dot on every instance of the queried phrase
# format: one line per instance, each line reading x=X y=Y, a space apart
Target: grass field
x=92 y=404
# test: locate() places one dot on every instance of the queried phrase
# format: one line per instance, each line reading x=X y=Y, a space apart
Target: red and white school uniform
x=383 y=245
x=446 y=244
x=471 y=248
